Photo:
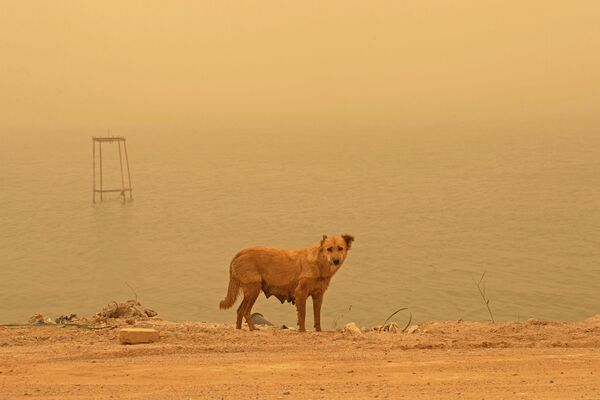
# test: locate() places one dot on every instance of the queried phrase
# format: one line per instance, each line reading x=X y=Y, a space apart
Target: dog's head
x=335 y=248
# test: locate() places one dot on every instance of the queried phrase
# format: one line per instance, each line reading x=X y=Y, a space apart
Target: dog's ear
x=322 y=241
x=348 y=239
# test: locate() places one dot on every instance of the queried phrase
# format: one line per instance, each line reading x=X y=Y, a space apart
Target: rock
x=412 y=329
x=66 y=319
x=37 y=319
x=150 y=313
x=259 y=319
x=593 y=320
x=352 y=329
x=392 y=327
x=533 y=321
x=137 y=335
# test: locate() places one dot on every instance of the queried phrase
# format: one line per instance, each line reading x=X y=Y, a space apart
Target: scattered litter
x=127 y=310
x=392 y=327
x=259 y=319
x=287 y=328
x=37 y=319
x=130 y=311
x=66 y=319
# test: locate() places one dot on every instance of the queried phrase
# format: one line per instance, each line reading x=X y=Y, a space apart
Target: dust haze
x=296 y=67
x=449 y=137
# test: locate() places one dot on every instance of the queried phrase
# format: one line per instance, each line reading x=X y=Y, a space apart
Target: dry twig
x=481 y=288
x=134 y=293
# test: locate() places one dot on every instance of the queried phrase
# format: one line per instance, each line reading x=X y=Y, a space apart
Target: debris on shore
x=352 y=329
x=259 y=319
x=68 y=319
x=37 y=319
x=130 y=310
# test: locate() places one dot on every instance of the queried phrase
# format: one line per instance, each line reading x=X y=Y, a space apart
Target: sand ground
x=439 y=360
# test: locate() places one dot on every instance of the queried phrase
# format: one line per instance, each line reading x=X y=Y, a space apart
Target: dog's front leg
x=301 y=308
x=317 y=299
x=301 y=295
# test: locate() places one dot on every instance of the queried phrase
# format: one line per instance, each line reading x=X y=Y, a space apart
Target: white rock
x=352 y=328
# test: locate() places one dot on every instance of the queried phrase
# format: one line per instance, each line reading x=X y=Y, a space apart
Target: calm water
x=429 y=213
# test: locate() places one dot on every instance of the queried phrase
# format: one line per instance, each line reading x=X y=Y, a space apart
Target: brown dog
x=289 y=275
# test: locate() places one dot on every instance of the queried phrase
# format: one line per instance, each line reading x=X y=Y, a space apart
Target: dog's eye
x=340 y=248
x=330 y=249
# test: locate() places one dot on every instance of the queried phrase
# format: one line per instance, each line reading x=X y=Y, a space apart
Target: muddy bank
x=535 y=359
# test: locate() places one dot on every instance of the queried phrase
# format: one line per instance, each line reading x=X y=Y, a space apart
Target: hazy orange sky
x=85 y=66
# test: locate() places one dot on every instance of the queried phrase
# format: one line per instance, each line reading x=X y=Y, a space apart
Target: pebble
x=352 y=329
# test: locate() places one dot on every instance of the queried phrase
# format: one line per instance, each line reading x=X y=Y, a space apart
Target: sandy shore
x=440 y=360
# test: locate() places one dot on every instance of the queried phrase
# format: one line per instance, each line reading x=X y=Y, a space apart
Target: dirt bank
x=541 y=360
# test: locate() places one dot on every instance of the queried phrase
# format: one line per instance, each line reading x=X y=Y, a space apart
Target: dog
x=289 y=275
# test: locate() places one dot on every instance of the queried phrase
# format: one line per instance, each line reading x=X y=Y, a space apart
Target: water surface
x=430 y=213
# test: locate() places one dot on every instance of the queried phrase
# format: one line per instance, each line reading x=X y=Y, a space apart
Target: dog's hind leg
x=251 y=293
x=240 y=313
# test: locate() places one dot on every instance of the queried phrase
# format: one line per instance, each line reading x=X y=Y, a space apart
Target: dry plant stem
x=134 y=293
x=394 y=313
x=407 y=324
x=481 y=288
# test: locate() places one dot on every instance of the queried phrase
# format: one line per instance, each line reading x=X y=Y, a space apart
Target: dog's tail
x=232 y=293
